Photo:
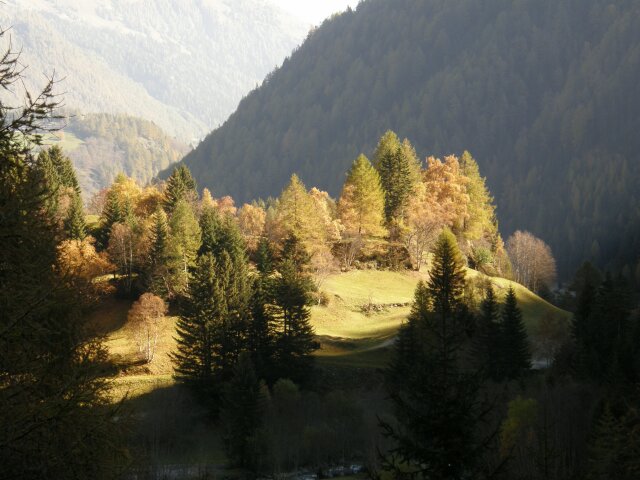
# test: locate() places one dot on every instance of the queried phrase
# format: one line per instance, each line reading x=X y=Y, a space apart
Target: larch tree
x=296 y=215
x=361 y=204
x=182 y=246
x=480 y=218
x=361 y=207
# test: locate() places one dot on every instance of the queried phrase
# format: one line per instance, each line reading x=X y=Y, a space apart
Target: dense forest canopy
x=543 y=94
x=102 y=145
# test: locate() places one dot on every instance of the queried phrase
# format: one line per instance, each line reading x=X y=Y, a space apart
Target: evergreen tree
x=487 y=336
x=75 y=225
x=200 y=311
x=515 y=355
x=113 y=212
x=397 y=169
x=242 y=408
x=262 y=331
x=157 y=274
x=295 y=337
x=361 y=204
x=57 y=419
x=264 y=257
x=180 y=186
x=213 y=325
x=435 y=397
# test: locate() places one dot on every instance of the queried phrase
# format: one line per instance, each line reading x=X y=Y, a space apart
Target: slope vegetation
x=543 y=94
x=356 y=328
x=183 y=64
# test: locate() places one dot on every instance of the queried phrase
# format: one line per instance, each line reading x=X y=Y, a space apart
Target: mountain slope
x=183 y=64
x=102 y=145
x=543 y=94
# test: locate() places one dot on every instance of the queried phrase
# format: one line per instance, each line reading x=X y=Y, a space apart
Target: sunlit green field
x=348 y=335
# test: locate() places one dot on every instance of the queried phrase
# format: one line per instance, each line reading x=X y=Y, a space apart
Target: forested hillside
x=103 y=145
x=543 y=94
x=183 y=64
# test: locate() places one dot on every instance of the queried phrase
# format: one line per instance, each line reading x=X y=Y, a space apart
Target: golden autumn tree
x=251 y=220
x=360 y=207
x=144 y=317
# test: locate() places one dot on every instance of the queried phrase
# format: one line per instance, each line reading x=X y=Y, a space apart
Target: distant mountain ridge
x=544 y=94
x=183 y=64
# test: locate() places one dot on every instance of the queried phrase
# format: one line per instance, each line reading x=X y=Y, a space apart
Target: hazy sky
x=314 y=11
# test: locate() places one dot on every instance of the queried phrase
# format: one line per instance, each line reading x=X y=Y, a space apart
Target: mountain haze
x=543 y=93
x=183 y=64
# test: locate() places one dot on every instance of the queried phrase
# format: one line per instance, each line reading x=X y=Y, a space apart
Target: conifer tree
x=480 y=208
x=182 y=245
x=297 y=215
x=75 y=225
x=200 y=311
x=157 y=274
x=397 y=167
x=487 y=336
x=264 y=257
x=113 y=212
x=57 y=419
x=435 y=398
x=295 y=337
x=361 y=204
x=514 y=350
x=180 y=186
x=242 y=408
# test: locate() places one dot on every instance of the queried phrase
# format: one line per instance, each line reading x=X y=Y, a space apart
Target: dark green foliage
x=156 y=268
x=180 y=186
x=540 y=95
x=615 y=446
x=57 y=421
x=514 y=353
x=214 y=320
x=113 y=212
x=264 y=257
x=606 y=333
x=261 y=336
x=435 y=396
x=487 y=336
x=75 y=225
x=292 y=295
x=241 y=414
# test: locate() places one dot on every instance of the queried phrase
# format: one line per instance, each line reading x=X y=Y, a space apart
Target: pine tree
x=295 y=337
x=397 y=168
x=242 y=408
x=487 y=336
x=264 y=257
x=515 y=356
x=435 y=398
x=361 y=204
x=113 y=212
x=75 y=225
x=200 y=311
x=158 y=255
x=180 y=186
x=57 y=419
